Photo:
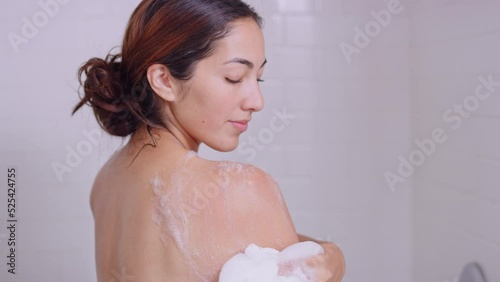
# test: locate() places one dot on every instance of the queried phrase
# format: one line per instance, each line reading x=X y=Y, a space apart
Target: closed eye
x=238 y=81
x=233 y=81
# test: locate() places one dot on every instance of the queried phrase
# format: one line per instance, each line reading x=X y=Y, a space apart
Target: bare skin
x=149 y=225
x=128 y=239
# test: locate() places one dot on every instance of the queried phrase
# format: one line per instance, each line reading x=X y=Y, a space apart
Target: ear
x=162 y=82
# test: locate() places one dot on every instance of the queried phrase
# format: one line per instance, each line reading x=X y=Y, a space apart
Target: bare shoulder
x=256 y=204
x=248 y=182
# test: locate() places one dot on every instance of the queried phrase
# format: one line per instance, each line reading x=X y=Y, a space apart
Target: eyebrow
x=245 y=62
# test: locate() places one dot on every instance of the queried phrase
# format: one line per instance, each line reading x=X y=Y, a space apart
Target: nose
x=254 y=101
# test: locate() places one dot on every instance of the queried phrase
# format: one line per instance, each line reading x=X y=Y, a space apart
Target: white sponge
x=258 y=264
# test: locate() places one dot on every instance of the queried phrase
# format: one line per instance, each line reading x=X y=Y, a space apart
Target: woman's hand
x=327 y=267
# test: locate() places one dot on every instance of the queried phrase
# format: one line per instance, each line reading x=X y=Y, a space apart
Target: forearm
x=303 y=238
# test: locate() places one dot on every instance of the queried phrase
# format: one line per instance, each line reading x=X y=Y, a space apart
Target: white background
x=352 y=122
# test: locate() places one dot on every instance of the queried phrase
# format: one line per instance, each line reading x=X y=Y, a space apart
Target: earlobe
x=161 y=82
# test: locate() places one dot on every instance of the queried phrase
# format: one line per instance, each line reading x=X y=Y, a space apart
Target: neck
x=170 y=136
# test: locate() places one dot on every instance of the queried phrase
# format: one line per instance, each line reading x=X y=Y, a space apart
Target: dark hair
x=175 y=33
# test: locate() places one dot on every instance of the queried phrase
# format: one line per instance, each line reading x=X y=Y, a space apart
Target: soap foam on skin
x=242 y=171
x=191 y=154
x=169 y=215
x=178 y=211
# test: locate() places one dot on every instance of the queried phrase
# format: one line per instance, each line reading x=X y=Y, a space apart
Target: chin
x=225 y=146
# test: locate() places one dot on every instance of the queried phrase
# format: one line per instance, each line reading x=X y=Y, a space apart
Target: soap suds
x=164 y=216
x=185 y=211
x=191 y=154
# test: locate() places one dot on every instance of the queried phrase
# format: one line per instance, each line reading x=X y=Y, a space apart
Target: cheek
x=203 y=113
x=210 y=104
x=216 y=107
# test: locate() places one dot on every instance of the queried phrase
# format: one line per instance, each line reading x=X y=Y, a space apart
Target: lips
x=241 y=125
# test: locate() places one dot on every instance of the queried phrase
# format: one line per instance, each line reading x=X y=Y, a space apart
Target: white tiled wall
x=457 y=195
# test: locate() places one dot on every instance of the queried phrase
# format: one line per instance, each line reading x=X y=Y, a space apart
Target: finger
x=316 y=260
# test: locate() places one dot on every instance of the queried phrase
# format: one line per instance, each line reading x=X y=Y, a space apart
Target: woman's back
x=171 y=216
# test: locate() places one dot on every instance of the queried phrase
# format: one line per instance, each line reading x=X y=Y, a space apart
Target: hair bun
x=104 y=91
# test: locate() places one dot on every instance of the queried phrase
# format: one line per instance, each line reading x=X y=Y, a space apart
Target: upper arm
x=260 y=212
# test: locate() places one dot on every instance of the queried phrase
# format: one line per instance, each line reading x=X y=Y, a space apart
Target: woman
x=188 y=73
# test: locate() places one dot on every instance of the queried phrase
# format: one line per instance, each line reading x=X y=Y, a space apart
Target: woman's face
x=224 y=92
